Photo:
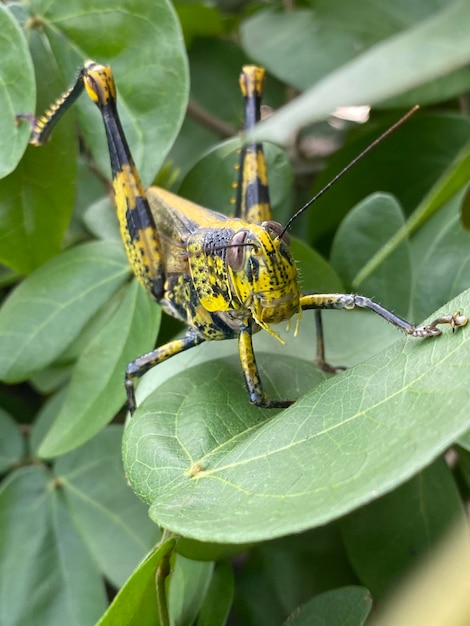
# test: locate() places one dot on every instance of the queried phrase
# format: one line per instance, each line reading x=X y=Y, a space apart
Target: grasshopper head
x=263 y=273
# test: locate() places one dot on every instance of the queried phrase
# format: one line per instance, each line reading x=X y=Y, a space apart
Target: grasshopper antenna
x=350 y=165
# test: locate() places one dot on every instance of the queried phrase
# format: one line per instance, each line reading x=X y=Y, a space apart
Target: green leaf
x=388 y=537
x=280 y=575
x=136 y=602
x=198 y=20
x=213 y=177
x=363 y=231
x=105 y=511
x=450 y=182
x=348 y=606
x=441 y=259
x=214 y=469
x=210 y=182
x=37 y=198
x=219 y=597
x=100 y=219
x=49 y=379
x=203 y=551
x=414 y=62
x=152 y=97
x=96 y=390
x=89 y=187
x=316 y=274
x=407 y=165
x=45 y=418
x=48 y=310
x=11 y=442
x=188 y=585
x=43 y=558
x=215 y=68
x=17 y=91
x=332 y=34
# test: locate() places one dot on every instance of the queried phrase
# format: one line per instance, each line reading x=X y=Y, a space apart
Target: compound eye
x=236 y=250
x=276 y=229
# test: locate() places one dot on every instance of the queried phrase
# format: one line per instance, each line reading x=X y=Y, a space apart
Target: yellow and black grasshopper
x=224 y=277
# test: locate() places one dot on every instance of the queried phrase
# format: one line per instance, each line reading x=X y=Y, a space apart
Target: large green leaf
x=424 y=52
x=441 y=259
x=103 y=508
x=37 y=198
x=46 y=570
x=152 y=96
x=187 y=588
x=362 y=233
x=219 y=598
x=216 y=471
x=387 y=538
x=96 y=391
x=17 y=91
x=48 y=310
x=136 y=602
x=335 y=32
x=281 y=575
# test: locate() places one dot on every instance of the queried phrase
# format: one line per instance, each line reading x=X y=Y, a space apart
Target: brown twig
x=209 y=121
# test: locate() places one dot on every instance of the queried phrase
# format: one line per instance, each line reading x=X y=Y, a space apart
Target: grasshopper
x=223 y=277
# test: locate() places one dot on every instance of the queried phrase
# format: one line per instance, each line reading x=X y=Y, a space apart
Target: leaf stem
x=161 y=575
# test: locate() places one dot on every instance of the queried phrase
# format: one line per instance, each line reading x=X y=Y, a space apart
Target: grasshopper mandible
x=224 y=277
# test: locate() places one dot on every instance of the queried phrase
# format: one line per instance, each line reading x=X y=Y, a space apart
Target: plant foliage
x=300 y=516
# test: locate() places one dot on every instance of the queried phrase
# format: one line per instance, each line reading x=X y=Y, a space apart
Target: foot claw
x=455 y=321
x=331 y=369
x=458 y=320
